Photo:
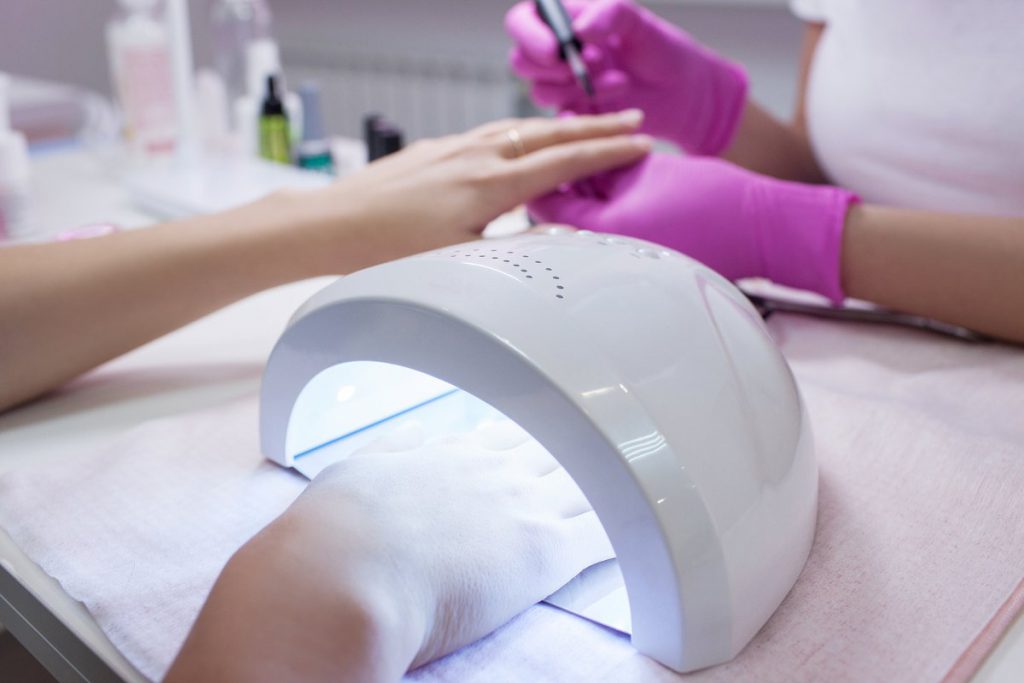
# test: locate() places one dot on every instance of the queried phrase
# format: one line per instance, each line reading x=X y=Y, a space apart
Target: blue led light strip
x=378 y=422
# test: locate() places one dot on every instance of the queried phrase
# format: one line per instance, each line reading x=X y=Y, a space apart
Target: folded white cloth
x=139 y=530
x=917 y=562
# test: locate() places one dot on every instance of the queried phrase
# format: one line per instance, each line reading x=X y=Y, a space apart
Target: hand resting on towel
x=391 y=560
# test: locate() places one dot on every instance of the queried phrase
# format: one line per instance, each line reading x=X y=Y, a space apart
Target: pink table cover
x=915 y=572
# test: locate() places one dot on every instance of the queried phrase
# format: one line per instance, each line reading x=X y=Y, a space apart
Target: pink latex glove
x=690 y=95
x=737 y=222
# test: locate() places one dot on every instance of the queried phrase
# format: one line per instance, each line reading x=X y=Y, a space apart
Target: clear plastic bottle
x=140 y=63
x=236 y=24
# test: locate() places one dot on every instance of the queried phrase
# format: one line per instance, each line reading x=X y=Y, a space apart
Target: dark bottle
x=275 y=143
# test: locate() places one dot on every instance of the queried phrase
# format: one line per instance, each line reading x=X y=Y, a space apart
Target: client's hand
x=735 y=221
x=444 y=191
x=391 y=560
x=129 y=288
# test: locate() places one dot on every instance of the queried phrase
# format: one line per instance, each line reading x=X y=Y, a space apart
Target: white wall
x=762 y=35
x=63 y=40
x=55 y=39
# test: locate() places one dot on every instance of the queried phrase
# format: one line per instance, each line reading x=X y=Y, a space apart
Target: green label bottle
x=275 y=136
x=274 y=143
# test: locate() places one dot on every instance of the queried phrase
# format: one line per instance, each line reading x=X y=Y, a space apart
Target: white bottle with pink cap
x=140 y=62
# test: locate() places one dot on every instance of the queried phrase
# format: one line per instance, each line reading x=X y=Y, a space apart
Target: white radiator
x=426 y=97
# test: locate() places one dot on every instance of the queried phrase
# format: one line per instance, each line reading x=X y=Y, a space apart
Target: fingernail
x=645 y=141
x=631 y=116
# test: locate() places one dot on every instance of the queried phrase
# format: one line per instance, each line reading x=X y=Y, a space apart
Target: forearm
x=771 y=147
x=781 y=149
x=65 y=308
x=68 y=307
x=287 y=608
x=963 y=269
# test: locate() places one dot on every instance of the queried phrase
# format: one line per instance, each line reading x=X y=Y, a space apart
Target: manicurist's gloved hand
x=737 y=222
x=690 y=95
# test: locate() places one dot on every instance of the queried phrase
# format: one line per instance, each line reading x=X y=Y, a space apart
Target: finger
x=531 y=34
x=524 y=25
x=527 y=68
x=585 y=541
x=533 y=457
x=568 y=207
x=561 y=494
x=608 y=85
x=535 y=126
x=405 y=437
x=607 y=18
x=546 y=169
x=558 y=95
x=542 y=228
x=538 y=133
x=402 y=438
x=494 y=128
x=501 y=435
x=595 y=58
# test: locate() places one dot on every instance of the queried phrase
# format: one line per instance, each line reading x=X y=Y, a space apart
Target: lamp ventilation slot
x=519 y=263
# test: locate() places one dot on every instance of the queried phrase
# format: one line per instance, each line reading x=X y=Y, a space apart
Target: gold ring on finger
x=518 y=146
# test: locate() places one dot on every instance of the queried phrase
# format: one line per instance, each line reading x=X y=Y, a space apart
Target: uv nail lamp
x=648 y=376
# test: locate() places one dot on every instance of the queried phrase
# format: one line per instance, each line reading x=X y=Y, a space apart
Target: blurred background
x=434 y=66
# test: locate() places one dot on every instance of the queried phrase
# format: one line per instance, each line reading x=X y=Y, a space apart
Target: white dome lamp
x=648 y=376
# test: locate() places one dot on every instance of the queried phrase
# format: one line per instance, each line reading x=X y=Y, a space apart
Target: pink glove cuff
x=800 y=233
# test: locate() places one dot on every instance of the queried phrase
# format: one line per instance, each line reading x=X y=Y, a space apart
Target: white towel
x=916 y=565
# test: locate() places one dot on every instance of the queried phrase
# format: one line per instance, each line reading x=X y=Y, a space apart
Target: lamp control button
x=647 y=253
x=584 y=233
x=612 y=240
